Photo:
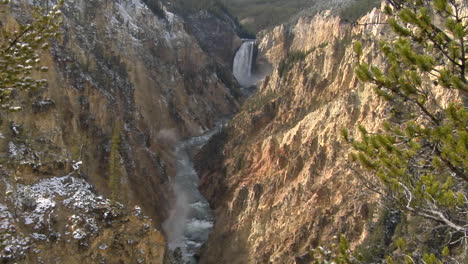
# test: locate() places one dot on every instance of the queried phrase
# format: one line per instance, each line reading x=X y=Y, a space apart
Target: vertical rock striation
x=277 y=177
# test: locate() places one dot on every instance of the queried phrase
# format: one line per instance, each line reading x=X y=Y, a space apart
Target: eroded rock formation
x=279 y=182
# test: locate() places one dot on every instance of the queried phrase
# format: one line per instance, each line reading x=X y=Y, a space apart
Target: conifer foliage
x=20 y=52
x=419 y=160
x=422 y=156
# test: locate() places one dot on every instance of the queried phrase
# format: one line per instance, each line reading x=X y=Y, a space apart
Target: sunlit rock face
x=278 y=177
x=117 y=62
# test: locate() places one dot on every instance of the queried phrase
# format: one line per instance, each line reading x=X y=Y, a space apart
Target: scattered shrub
x=292 y=58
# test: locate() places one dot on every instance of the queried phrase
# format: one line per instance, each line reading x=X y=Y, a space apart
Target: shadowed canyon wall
x=117 y=63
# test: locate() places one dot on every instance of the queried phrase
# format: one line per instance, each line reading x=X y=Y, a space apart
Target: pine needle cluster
x=419 y=160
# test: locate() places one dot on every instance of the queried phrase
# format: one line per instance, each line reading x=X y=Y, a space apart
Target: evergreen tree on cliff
x=419 y=161
x=20 y=52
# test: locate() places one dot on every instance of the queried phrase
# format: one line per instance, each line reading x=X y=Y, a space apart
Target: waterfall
x=243 y=61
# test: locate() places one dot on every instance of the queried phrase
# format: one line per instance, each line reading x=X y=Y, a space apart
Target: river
x=191 y=219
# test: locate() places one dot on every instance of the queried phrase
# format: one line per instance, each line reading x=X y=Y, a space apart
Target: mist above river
x=190 y=219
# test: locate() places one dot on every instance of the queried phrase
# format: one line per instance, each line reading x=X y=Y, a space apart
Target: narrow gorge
x=168 y=132
x=191 y=219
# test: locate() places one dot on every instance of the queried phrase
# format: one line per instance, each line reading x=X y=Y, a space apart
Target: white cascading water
x=243 y=61
x=191 y=218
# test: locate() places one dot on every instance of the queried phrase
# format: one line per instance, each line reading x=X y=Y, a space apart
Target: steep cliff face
x=116 y=63
x=282 y=184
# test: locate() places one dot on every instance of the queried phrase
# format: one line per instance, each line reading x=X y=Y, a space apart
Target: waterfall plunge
x=243 y=61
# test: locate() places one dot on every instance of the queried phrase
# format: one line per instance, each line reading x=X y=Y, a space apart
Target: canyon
x=230 y=148
x=116 y=62
x=280 y=185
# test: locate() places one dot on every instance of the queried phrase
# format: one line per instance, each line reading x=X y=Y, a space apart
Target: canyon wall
x=116 y=63
x=278 y=176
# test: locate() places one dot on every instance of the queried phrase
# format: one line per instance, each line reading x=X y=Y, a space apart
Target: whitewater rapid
x=191 y=219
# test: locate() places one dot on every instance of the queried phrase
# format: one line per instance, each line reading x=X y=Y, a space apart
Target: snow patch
x=35 y=205
x=14 y=150
x=77 y=165
x=40 y=237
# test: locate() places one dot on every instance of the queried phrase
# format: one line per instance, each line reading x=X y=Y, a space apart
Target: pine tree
x=114 y=163
x=20 y=52
x=422 y=157
x=419 y=161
